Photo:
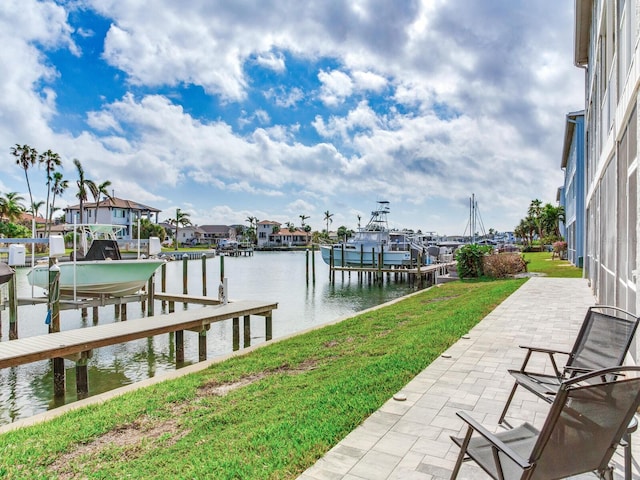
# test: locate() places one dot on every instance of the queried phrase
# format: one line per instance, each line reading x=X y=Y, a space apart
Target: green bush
x=469 y=259
x=14 y=230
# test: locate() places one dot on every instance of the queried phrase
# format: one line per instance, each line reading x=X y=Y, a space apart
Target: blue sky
x=276 y=109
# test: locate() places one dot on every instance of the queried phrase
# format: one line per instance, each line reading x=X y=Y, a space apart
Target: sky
x=280 y=108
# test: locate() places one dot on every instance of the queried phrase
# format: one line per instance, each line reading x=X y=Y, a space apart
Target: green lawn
x=543 y=263
x=269 y=414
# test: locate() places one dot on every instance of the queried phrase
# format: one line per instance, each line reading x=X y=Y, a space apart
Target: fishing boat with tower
x=373 y=242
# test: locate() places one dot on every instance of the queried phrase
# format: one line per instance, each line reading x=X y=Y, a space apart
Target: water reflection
x=271 y=276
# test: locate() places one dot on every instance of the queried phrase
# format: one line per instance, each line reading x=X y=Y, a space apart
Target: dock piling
x=236 y=333
x=247 y=331
x=13 y=307
x=204 y=274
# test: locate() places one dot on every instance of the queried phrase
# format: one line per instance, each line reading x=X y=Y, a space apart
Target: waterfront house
x=212 y=234
x=112 y=211
x=289 y=238
x=190 y=235
x=606 y=47
x=264 y=230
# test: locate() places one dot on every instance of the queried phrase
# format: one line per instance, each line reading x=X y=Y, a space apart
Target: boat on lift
x=101 y=271
x=371 y=241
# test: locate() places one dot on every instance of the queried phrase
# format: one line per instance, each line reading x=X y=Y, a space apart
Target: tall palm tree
x=58 y=187
x=253 y=228
x=535 y=212
x=50 y=160
x=82 y=184
x=303 y=217
x=182 y=218
x=327 y=218
x=11 y=207
x=26 y=157
x=359 y=218
x=97 y=190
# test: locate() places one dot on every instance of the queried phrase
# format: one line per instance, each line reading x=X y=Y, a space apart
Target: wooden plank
x=62 y=344
x=180 y=297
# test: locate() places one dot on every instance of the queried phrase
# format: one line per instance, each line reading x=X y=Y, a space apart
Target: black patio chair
x=585 y=424
x=603 y=341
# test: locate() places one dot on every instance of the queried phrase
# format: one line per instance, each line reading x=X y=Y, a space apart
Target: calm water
x=269 y=276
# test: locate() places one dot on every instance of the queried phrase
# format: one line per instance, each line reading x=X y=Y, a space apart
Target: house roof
x=268 y=222
x=115 y=202
x=286 y=231
x=219 y=229
x=27 y=217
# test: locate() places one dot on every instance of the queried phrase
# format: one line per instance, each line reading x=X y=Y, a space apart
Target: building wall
x=573 y=192
x=611 y=143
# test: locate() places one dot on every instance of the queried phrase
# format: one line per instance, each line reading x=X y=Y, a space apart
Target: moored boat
x=370 y=242
x=102 y=271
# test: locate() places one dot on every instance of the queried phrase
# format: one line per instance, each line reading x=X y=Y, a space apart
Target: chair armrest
x=494 y=440
x=545 y=350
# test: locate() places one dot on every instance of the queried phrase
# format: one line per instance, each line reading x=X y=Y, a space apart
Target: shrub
x=501 y=265
x=469 y=259
x=559 y=247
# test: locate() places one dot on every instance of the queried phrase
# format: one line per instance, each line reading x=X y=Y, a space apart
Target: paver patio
x=409 y=439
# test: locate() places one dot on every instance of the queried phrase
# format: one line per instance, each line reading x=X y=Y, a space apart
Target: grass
x=542 y=262
x=269 y=414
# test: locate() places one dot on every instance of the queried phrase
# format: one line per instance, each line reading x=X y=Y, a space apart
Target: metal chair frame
x=546 y=385
x=587 y=421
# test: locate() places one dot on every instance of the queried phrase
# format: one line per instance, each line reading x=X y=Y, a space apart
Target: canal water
x=270 y=276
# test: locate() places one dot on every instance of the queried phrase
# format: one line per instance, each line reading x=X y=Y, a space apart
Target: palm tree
x=26 y=157
x=535 y=211
x=10 y=207
x=57 y=188
x=50 y=160
x=359 y=218
x=327 y=218
x=253 y=228
x=35 y=208
x=96 y=191
x=303 y=217
x=550 y=219
x=82 y=184
x=182 y=218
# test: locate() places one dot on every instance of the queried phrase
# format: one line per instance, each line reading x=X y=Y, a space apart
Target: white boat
x=370 y=241
x=102 y=271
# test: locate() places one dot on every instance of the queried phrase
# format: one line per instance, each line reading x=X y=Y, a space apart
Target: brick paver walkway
x=410 y=439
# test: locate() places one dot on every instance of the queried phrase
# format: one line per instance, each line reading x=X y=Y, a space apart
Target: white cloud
x=336 y=86
x=272 y=61
x=285 y=99
x=369 y=81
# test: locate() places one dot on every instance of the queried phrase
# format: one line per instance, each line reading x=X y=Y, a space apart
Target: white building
x=112 y=211
x=606 y=47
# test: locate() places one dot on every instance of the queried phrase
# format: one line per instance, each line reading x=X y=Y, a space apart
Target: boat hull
x=100 y=277
x=354 y=258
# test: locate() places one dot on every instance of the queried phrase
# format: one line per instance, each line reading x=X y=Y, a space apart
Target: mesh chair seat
x=539 y=383
x=589 y=415
x=520 y=439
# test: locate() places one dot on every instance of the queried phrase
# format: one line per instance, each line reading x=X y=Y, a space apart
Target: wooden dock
x=77 y=344
x=423 y=275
